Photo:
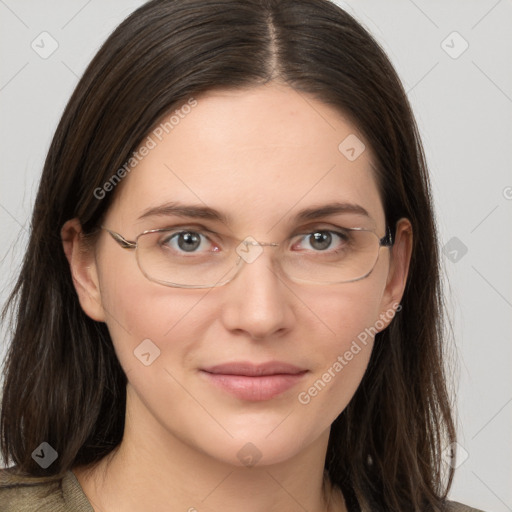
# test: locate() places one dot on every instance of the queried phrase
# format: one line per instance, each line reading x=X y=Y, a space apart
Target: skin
x=258 y=155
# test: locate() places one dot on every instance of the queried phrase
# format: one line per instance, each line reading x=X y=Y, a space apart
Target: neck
x=154 y=470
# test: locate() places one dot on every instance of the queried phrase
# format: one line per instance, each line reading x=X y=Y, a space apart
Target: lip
x=249 y=369
x=251 y=382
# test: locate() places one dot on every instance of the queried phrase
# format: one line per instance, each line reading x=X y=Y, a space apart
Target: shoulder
x=25 y=493
x=454 y=506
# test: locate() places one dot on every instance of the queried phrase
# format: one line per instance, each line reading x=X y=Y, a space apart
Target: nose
x=258 y=300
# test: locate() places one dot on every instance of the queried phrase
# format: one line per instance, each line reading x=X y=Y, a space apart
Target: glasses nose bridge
x=250 y=258
x=261 y=244
x=249 y=241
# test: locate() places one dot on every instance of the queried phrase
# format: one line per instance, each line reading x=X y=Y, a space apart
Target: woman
x=231 y=298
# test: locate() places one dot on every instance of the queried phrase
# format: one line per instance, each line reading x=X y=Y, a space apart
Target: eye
x=185 y=241
x=323 y=239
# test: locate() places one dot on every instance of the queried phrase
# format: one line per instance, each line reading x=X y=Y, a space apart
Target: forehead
x=259 y=155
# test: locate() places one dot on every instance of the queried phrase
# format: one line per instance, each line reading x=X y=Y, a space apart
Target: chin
x=252 y=446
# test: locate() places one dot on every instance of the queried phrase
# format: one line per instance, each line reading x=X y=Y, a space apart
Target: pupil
x=188 y=241
x=321 y=240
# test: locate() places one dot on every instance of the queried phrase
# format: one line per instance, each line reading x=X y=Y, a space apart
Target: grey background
x=463 y=106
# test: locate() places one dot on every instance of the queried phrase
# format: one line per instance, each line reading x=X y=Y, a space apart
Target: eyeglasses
x=170 y=256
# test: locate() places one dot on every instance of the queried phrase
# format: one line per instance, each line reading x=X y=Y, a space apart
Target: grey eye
x=320 y=240
x=187 y=241
x=323 y=239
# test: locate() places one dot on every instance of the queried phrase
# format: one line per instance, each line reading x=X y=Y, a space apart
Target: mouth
x=251 y=382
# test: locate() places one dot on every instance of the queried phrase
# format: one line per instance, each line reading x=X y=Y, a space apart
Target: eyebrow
x=205 y=212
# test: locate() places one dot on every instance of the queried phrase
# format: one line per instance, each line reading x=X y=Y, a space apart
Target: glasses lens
x=351 y=255
x=186 y=258
x=182 y=258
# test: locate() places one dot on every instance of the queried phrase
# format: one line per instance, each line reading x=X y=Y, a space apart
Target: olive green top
x=64 y=494
x=42 y=494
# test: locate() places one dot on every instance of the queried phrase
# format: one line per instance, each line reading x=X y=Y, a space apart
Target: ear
x=82 y=263
x=400 y=258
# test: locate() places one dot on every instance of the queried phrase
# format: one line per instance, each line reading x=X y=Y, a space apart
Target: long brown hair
x=63 y=382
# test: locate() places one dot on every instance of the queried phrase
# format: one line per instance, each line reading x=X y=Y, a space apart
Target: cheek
x=341 y=312
x=138 y=310
x=345 y=318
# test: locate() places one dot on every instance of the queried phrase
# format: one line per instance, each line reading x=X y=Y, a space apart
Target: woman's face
x=258 y=156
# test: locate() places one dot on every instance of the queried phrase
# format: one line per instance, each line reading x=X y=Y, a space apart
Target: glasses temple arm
x=125 y=244
x=387 y=240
